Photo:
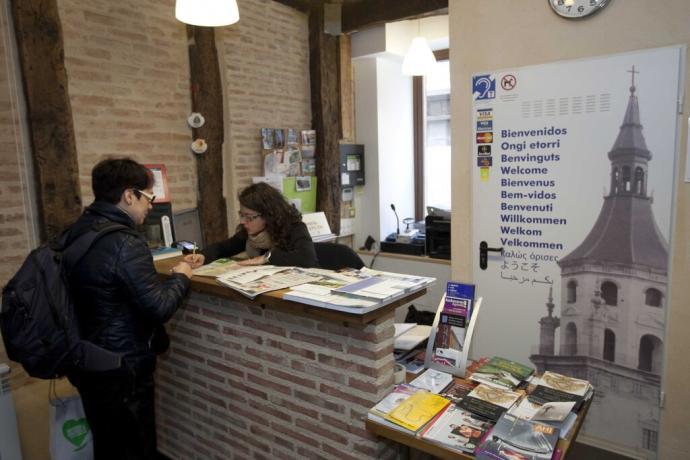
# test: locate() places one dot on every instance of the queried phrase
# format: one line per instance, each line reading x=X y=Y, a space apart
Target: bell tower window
x=609 y=292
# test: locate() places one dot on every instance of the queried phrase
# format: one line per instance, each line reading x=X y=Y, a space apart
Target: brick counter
x=247 y=380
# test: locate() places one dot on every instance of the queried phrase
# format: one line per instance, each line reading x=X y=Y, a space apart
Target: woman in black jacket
x=271 y=231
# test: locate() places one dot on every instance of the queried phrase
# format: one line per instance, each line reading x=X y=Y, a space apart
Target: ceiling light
x=419 y=59
x=207 y=13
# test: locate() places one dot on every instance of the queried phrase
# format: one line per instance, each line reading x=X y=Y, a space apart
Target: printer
x=437 y=233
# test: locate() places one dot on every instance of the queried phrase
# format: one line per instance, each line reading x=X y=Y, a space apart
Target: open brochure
x=216 y=268
x=266 y=278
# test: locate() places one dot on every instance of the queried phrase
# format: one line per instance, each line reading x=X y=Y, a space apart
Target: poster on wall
x=573 y=179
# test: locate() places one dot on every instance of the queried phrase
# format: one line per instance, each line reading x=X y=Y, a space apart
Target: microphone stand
x=397 y=231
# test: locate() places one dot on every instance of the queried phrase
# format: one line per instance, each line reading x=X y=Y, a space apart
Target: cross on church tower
x=633 y=72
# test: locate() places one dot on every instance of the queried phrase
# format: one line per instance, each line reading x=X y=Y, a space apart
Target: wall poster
x=574 y=179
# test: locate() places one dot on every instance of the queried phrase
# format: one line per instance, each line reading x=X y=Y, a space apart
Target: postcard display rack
x=452 y=359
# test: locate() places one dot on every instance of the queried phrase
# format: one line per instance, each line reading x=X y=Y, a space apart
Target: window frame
x=418 y=108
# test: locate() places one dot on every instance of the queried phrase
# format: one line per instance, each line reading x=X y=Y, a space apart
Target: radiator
x=9 y=436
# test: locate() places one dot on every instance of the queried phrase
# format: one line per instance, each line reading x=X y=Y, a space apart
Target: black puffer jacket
x=118 y=296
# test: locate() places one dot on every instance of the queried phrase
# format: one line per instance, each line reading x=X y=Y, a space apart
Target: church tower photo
x=613 y=297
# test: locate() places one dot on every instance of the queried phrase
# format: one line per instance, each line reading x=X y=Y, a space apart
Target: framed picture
x=160 y=182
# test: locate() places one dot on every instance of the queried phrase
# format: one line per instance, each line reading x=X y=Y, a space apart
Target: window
x=649 y=354
x=649 y=439
x=609 y=345
x=432 y=137
x=572 y=291
x=652 y=297
x=609 y=292
x=570 y=348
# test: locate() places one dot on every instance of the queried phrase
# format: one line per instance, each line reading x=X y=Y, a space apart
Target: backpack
x=37 y=316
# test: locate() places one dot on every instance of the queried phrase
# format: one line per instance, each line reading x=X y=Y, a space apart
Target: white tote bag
x=70 y=434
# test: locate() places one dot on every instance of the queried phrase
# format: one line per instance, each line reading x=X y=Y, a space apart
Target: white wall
x=396 y=165
x=383 y=114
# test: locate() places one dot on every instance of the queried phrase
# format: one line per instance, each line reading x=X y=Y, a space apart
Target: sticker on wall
x=196 y=120
x=484 y=162
x=199 y=146
x=483 y=150
x=484 y=174
x=485 y=138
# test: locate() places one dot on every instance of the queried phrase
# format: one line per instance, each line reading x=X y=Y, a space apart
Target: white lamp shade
x=207 y=13
x=419 y=59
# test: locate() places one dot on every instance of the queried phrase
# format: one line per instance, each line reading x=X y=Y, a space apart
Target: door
x=574 y=181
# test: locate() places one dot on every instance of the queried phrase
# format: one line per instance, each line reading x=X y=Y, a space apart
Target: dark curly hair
x=275 y=210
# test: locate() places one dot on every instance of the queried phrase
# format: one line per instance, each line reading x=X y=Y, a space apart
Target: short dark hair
x=111 y=177
x=278 y=213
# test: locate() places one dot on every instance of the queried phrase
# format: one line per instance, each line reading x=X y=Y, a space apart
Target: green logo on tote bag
x=76 y=431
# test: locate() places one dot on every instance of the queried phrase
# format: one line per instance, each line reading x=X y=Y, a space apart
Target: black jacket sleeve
x=226 y=248
x=299 y=253
x=155 y=299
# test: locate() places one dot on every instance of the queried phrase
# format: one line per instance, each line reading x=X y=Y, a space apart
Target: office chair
x=334 y=256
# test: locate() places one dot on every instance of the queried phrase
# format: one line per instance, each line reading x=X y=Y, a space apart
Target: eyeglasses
x=150 y=198
x=247 y=217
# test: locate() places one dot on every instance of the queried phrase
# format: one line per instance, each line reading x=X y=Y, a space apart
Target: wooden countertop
x=274 y=300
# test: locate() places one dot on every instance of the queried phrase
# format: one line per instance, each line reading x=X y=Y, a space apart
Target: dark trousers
x=120 y=412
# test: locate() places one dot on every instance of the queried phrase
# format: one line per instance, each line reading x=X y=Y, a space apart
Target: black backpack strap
x=78 y=248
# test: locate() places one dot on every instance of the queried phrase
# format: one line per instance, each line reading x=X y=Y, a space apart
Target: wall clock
x=576 y=9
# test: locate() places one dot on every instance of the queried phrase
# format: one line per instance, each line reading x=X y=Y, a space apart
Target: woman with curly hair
x=271 y=231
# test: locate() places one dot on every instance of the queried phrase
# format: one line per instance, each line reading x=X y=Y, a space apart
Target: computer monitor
x=187 y=226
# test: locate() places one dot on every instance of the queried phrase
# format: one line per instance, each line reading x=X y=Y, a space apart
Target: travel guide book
x=488 y=401
x=457 y=429
x=416 y=411
x=432 y=380
x=457 y=390
x=515 y=438
x=503 y=373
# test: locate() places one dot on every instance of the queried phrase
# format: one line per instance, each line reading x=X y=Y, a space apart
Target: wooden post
x=325 y=107
x=49 y=112
x=207 y=99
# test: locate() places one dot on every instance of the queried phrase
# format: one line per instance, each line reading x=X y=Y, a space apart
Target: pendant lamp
x=207 y=13
x=419 y=59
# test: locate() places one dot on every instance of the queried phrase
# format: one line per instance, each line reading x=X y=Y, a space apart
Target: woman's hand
x=194 y=260
x=258 y=260
x=184 y=268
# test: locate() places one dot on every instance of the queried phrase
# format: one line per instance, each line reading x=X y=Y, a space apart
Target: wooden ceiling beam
x=373 y=12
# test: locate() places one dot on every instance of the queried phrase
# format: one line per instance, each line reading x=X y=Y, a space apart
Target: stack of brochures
x=357 y=291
